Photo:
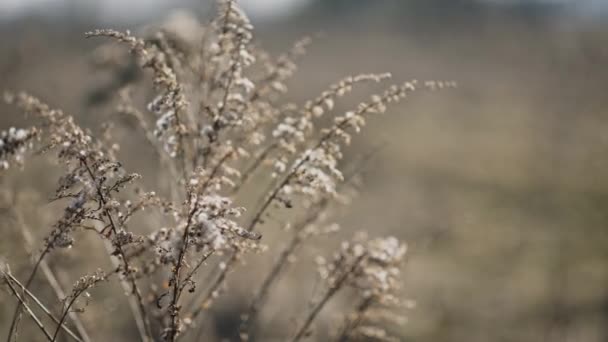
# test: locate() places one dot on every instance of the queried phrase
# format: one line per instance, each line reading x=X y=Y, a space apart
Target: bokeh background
x=500 y=187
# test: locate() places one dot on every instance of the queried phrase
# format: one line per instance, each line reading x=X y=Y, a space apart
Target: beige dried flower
x=216 y=117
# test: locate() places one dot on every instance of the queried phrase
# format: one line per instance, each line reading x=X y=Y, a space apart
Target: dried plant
x=217 y=122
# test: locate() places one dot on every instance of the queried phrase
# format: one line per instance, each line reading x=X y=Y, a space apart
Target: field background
x=500 y=187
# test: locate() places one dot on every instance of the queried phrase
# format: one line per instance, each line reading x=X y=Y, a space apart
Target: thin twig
x=191 y=274
x=14 y=324
x=351 y=324
x=211 y=292
x=41 y=306
x=266 y=204
x=279 y=266
x=29 y=311
x=215 y=171
x=175 y=280
x=140 y=314
x=51 y=278
x=65 y=314
x=254 y=166
x=303 y=330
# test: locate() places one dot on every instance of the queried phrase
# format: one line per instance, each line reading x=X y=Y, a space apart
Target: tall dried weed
x=217 y=121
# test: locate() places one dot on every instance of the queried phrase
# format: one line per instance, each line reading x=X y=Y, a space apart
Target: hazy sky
x=123 y=8
x=129 y=9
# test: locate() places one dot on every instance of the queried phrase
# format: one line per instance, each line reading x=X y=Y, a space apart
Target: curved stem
x=42 y=307
x=14 y=323
x=215 y=286
x=51 y=278
x=350 y=325
x=279 y=266
x=253 y=167
x=64 y=315
x=195 y=269
x=302 y=331
x=29 y=311
x=266 y=204
x=140 y=314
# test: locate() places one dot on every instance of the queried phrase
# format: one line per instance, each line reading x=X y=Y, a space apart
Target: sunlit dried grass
x=217 y=121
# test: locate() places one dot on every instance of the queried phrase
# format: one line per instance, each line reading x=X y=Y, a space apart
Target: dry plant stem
x=226 y=17
x=61 y=294
x=215 y=286
x=172 y=86
x=222 y=107
x=182 y=150
x=242 y=126
x=41 y=306
x=302 y=331
x=256 y=219
x=139 y=314
x=216 y=123
x=278 y=267
x=29 y=311
x=294 y=243
x=14 y=323
x=133 y=302
x=195 y=269
x=175 y=280
x=258 y=215
x=164 y=159
x=254 y=166
x=51 y=278
x=351 y=324
x=204 y=304
x=65 y=314
x=215 y=171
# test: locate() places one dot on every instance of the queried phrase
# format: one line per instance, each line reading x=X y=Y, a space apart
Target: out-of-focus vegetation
x=499 y=187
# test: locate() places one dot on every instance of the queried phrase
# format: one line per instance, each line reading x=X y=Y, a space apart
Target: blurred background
x=500 y=187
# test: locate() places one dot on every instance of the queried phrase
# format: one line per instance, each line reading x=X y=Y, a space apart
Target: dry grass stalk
x=217 y=121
